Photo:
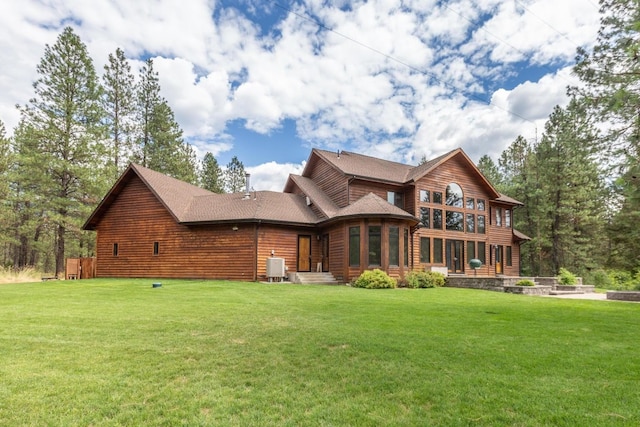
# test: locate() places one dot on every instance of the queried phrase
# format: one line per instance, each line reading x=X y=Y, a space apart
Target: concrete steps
x=314 y=278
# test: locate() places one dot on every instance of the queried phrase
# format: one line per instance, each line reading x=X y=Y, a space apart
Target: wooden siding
x=284 y=242
x=358 y=189
x=136 y=220
x=332 y=182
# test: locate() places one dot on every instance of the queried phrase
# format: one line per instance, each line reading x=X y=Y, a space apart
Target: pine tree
x=6 y=160
x=489 y=169
x=65 y=121
x=211 y=176
x=119 y=104
x=234 y=176
x=148 y=98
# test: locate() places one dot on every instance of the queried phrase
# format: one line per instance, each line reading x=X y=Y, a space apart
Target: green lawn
x=119 y=352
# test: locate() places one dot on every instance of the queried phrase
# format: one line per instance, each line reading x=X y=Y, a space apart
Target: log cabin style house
x=344 y=214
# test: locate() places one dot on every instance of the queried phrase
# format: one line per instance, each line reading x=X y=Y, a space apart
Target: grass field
x=119 y=352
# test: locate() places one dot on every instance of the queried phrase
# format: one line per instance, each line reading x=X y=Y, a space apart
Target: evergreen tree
x=6 y=160
x=119 y=104
x=234 y=176
x=65 y=154
x=489 y=169
x=148 y=98
x=211 y=176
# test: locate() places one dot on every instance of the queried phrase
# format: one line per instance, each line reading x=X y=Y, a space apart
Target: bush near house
x=525 y=282
x=565 y=277
x=375 y=279
x=424 y=279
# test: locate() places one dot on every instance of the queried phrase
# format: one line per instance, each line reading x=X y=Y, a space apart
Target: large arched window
x=454 y=195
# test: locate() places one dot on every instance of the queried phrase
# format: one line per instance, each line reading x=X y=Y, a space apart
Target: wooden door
x=455 y=255
x=498 y=258
x=304 y=253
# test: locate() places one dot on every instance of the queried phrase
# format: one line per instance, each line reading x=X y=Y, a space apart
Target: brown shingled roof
x=315 y=194
x=354 y=164
x=372 y=205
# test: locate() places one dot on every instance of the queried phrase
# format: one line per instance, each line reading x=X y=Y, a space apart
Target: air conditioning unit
x=275 y=268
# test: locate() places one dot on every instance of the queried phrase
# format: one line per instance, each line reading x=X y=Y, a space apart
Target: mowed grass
x=119 y=352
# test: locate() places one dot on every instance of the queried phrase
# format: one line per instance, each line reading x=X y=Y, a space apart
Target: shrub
x=525 y=282
x=620 y=280
x=600 y=279
x=425 y=279
x=565 y=277
x=375 y=279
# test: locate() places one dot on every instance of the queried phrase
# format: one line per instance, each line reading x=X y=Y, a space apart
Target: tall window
x=406 y=247
x=437 y=197
x=424 y=217
x=471 y=223
x=498 y=217
x=481 y=224
x=480 y=204
x=425 y=250
x=156 y=248
x=394 y=246
x=455 y=221
x=454 y=195
x=437 y=251
x=395 y=199
x=115 y=249
x=471 y=250
x=507 y=217
x=424 y=196
x=482 y=252
x=509 y=260
x=375 y=245
x=437 y=219
x=354 y=246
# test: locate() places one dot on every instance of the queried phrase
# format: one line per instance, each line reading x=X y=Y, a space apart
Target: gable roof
x=370 y=205
x=314 y=193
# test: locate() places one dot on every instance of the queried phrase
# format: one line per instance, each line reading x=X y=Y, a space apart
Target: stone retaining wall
x=624 y=295
x=528 y=290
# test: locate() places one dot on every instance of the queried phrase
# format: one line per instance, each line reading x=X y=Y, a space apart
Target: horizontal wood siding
x=136 y=220
x=332 y=182
x=358 y=189
x=283 y=241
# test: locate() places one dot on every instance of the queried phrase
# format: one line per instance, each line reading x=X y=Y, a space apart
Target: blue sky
x=268 y=80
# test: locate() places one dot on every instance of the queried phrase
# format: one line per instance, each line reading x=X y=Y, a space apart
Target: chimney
x=247 y=194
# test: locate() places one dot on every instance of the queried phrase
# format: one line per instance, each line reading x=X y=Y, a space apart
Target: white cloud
x=273 y=176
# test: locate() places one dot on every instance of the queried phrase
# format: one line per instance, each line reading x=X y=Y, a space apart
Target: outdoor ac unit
x=275 y=267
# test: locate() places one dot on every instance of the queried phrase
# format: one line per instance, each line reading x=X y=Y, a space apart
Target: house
x=344 y=214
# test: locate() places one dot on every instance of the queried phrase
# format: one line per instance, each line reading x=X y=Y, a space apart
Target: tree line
x=74 y=138
x=580 y=182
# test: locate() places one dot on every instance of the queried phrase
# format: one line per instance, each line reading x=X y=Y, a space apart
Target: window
x=482 y=252
x=437 y=251
x=471 y=250
x=509 y=260
x=424 y=217
x=375 y=245
x=471 y=203
x=481 y=226
x=480 y=204
x=454 y=195
x=471 y=223
x=425 y=250
x=498 y=217
x=354 y=246
x=455 y=221
x=115 y=249
x=424 y=196
x=437 y=219
x=406 y=247
x=394 y=246
x=437 y=197
x=395 y=199
x=156 y=248
x=507 y=217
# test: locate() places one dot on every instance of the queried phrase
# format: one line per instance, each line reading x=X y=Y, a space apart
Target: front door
x=325 y=252
x=304 y=253
x=498 y=259
x=455 y=255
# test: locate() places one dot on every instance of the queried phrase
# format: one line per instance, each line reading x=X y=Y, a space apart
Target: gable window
x=375 y=245
x=471 y=223
x=115 y=249
x=454 y=195
x=482 y=252
x=424 y=217
x=437 y=197
x=471 y=203
x=354 y=246
x=424 y=196
x=498 y=217
x=425 y=250
x=455 y=221
x=481 y=224
x=437 y=251
x=507 y=217
x=406 y=247
x=394 y=246
x=480 y=204
x=156 y=248
x=395 y=199
x=437 y=219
